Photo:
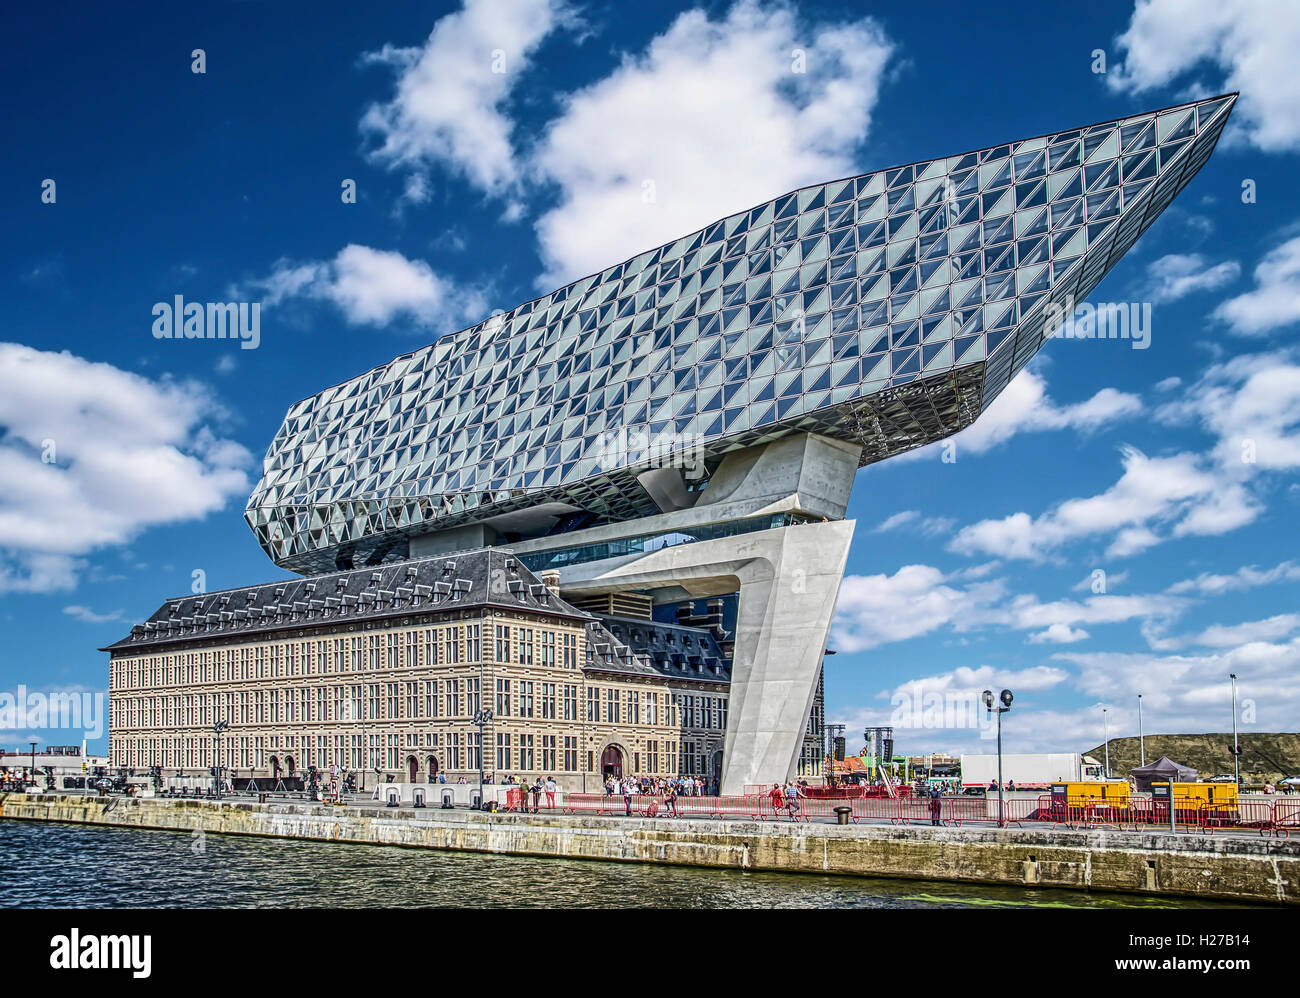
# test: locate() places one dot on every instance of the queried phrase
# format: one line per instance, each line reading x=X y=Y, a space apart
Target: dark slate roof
x=673 y=650
x=462 y=581
x=606 y=653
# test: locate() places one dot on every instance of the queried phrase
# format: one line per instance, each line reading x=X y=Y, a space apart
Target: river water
x=56 y=865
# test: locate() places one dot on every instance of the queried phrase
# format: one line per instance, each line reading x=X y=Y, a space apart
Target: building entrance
x=611 y=762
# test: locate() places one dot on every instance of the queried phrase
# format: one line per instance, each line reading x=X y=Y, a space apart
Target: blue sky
x=1173 y=470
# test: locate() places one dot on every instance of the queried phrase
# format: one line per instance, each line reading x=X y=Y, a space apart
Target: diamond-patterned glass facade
x=888 y=309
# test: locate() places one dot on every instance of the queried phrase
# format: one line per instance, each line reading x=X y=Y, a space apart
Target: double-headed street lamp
x=482 y=718
x=1236 y=750
x=1142 y=744
x=219 y=729
x=1105 y=732
x=1005 y=698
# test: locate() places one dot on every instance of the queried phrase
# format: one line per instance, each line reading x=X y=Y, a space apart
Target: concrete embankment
x=1223 y=867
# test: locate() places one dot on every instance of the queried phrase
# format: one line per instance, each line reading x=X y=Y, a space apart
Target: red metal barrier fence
x=1286 y=816
x=1279 y=817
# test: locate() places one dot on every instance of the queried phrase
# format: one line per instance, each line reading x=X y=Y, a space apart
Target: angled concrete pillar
x=788 y=579
x=787 y=600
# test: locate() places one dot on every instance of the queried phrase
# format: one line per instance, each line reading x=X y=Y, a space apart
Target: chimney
x=551 y=580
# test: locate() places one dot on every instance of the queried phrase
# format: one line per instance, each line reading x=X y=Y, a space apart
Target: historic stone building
x=385 y=669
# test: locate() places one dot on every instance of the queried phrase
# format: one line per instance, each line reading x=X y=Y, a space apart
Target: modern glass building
x=888 y=310
x=687 y=424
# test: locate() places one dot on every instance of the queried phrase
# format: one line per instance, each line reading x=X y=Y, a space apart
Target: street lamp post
x=219 y=729
x=1142 y=745
x=33 y=743
x=1105 y=727
x=1236 y=750
x=482 y=718
x=1005 y=698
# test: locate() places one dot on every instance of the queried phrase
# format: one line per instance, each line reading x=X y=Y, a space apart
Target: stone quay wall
x=1220 y=867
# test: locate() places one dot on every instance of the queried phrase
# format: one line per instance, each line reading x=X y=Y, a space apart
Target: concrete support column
x=787 y=601
x=788 y=579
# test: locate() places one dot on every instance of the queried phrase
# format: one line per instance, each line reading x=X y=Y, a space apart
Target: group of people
x=679 y=786
x=785 y=799
x=534 y=791
x=651 y=786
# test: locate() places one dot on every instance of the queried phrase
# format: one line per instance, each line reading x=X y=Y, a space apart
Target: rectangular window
x=570 y=754
x=431 y=698
x=525 y=698
x=503 y=698
x=548 y=753
x=503 y=751
x=611 y=706
x=548 y=702
x=452 y=699
x=473 y=699
x=570 y=702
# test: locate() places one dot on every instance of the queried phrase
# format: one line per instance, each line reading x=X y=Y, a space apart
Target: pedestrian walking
x=777 y=798
x=792 y=800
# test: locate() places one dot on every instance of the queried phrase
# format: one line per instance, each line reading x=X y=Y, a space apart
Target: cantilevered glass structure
x=887 y=310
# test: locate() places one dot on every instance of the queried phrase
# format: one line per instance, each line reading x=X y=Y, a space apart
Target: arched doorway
x=611 y=762
x=275 y=766
x=433 y=770
x=290 y=765
x=413 y=767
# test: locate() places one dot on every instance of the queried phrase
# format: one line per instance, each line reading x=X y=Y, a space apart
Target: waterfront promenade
x=1224 y=866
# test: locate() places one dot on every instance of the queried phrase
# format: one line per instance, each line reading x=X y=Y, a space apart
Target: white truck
x=1031 y=771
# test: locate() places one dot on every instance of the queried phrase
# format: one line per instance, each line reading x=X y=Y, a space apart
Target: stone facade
x=389 y=675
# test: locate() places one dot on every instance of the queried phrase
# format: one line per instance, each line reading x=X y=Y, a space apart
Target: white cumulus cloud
x=1178 y=275
x=450 y=94
x=1274 y=301
x=1216 y=46
x=714 y=117
x=91 y=455
x=375 y=287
